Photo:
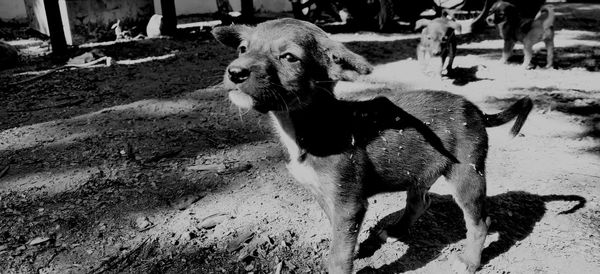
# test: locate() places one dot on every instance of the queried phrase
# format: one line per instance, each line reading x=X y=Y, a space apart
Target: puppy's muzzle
x=238 y=74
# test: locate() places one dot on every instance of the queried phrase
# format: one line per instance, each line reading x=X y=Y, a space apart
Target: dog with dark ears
x=438 y=38
x=515 y=28
x=347 y=151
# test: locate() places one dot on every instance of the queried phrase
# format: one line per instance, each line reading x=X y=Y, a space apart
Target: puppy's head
x=500 y=12
x=283 y=63
x=436 y=33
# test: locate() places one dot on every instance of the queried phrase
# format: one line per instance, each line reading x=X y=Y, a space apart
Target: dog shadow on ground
x=514 y=215
x=462 y=76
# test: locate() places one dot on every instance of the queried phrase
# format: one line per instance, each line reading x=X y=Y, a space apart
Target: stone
x=155 y=26
x=8 y=55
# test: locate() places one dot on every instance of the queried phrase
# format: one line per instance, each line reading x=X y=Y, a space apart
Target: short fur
x=529 y=31
x=438 y=38
x=347 y=151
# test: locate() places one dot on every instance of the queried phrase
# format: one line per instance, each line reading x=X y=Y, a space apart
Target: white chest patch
x=302 y=172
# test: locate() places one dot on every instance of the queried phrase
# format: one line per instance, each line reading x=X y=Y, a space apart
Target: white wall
x=210 y=6
x=12 y=10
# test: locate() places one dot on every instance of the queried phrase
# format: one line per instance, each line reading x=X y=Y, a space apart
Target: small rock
x=278 y=268
x=155 y=25
x=184 y=202
x=236 y=243
x=9 y=55
x=38 y=240
x=142 y=222
x=213 y=220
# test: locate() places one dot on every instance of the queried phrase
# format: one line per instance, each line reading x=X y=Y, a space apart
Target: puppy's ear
x=345 y=64
x=231 y=36
x=421 y=23
x=456 y=26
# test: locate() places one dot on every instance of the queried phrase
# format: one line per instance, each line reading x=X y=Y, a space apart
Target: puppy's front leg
x=346 y=220
x=507 y=51
x=451 y=54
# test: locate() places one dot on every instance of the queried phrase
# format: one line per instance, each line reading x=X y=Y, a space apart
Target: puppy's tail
x=519 y=109
x=546 y=15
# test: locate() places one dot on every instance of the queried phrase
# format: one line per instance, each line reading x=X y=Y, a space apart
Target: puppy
x=347 y=151
x=438 y=38
x=514 y=28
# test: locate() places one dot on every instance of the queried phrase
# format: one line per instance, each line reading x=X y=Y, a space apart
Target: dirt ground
x=145 y=167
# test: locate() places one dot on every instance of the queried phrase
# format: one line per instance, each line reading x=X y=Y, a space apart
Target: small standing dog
x=514 y=28
x=347 y=151
x=438 y=38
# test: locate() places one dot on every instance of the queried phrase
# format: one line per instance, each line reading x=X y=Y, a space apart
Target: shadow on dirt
x=68 y=93
x=514 y=215
x=462 y=76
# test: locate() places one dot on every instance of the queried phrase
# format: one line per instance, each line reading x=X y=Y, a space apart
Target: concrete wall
x=209 y=6
x=90 y=20
x=13 y=10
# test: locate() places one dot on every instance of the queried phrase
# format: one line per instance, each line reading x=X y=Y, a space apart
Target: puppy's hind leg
x=528 y=55
x=469 y=192
x=417 y=202
x=550 y=53
x=451 y=54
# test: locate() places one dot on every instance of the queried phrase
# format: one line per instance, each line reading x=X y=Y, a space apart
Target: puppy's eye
x=242 y=49
x=289 y=57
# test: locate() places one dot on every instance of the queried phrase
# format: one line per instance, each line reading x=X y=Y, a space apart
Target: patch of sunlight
x=53 y=132
x=562 y=39
x=201 y=25
x=48 y=182
x=85 y=66
x=145 y=59
x=371 y=37
x=66 y=131
x=107 y=43
x=151 y=107
x=343 y=87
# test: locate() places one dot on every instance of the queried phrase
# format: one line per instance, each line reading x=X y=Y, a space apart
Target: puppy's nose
x=238 y=74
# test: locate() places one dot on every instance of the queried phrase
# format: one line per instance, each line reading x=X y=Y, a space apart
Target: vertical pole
x=169 y=17
x=55 y=27
x=247 y=10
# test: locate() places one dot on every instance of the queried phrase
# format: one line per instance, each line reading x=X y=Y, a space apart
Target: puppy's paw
x=461 y=266
x=528 y=66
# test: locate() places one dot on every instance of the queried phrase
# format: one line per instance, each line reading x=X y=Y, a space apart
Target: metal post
x=247 y=9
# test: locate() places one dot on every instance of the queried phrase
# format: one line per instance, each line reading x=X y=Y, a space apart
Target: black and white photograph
x=300 y=136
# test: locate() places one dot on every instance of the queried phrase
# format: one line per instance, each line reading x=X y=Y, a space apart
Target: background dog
x=513 y=27
x=346 y=151
x=438 y=38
